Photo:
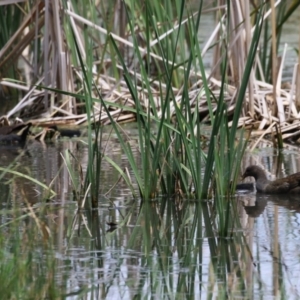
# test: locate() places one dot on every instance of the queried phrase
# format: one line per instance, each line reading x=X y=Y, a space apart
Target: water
x=145 y=255
x=273 y=221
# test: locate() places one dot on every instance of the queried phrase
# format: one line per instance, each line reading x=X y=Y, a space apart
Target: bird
x=289 y=184
x=14 y=134
x=65 y=132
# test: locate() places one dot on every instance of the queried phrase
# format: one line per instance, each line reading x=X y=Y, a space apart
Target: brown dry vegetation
x=37 y=53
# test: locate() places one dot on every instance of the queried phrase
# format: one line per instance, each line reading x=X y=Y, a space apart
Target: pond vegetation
x=120 y=62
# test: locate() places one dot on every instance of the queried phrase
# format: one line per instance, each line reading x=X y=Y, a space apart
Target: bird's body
x=289 y=184
x=14 y=134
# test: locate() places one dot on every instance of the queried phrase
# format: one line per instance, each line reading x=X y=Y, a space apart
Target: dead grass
x=47 y=72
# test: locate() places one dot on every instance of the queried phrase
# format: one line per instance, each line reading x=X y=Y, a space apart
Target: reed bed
x=50 y=90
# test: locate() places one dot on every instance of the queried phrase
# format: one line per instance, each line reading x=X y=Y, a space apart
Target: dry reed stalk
x=259 y=105
x=237 y=47
x=297 y=81
x=24 y=102
x=274 y=59
x=248 y=36
x=268 y=130
x=290 y=97
x=18 y=36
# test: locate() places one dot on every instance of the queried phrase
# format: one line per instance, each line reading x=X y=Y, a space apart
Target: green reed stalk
x=9 y=22
x=92 y=179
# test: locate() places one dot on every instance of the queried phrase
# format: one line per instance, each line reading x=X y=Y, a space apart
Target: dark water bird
x=14 y=134
x=64 y=132
x=289 y=184
x=13 y=129
x=52 y=133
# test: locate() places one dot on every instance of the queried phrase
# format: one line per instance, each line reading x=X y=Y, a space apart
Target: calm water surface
x=102 y=262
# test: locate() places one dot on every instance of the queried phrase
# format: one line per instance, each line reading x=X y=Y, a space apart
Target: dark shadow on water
x=289 y=201
x=256 y=210
x=9 y=152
